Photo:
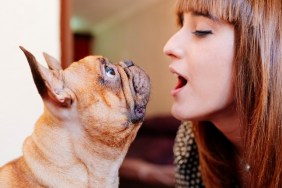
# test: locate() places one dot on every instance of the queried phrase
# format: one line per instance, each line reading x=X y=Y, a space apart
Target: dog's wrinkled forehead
x=93 y=71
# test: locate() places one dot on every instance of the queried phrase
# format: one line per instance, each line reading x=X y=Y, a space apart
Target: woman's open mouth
x=180 y=84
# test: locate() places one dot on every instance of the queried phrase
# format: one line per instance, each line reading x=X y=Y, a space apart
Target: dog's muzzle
x=140 y=89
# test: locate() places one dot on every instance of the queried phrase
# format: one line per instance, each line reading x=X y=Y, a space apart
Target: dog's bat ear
x=49 y=83
x=53 y=63
x=36 y=71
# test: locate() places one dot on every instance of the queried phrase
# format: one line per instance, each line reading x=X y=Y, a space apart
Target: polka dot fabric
x=186 y=158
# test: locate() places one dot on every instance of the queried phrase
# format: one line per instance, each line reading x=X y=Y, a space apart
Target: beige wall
x=141 y=37
x=35 y=25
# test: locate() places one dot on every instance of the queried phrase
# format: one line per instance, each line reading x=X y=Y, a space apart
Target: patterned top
x=186 y=158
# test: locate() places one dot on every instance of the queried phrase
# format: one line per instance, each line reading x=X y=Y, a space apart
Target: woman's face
x=201 y=55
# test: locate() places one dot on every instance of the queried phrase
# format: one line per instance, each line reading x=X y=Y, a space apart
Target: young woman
x=227 y=57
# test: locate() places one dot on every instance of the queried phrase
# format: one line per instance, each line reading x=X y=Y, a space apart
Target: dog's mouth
x=139 y=84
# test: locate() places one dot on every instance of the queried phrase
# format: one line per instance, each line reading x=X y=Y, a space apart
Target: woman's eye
x=110 y=72
x=202 y=33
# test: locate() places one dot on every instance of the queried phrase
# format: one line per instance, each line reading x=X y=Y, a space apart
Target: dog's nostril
x=128 y=63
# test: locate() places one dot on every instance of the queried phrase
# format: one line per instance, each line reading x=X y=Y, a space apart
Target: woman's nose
x=172 y=47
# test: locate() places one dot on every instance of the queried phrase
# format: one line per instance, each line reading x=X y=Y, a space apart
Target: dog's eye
x=110 y=72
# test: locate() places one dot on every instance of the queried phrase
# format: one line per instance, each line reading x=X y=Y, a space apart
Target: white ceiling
x=95 y=14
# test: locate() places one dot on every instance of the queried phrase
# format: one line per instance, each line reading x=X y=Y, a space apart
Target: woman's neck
x=228 y=122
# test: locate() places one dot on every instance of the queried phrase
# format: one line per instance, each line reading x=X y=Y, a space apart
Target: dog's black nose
x=126 y=63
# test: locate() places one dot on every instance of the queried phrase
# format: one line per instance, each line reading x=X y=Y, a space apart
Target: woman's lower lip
x=174 y=92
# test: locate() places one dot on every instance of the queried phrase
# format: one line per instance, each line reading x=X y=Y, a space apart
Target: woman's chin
x=177 y=113
x=184 y=114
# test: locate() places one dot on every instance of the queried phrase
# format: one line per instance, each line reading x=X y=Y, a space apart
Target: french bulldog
x=92 y=112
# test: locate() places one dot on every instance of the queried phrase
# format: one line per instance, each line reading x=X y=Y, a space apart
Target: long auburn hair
x=258 y=93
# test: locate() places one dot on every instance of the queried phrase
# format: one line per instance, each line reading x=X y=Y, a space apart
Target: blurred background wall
x=35 y=25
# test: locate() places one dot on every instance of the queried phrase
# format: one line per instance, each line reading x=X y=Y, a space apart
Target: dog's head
x=107 y=101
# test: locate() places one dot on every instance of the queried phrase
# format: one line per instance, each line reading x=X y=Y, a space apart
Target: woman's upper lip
x=176 y=73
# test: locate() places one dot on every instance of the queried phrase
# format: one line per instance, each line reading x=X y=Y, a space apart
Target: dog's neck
x=66 y=147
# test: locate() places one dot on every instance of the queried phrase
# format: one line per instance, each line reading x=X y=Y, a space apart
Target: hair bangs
x=226 y=10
